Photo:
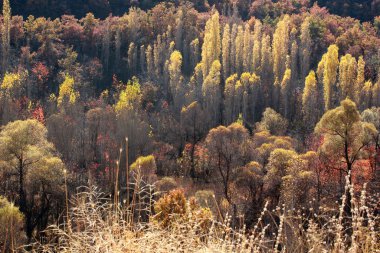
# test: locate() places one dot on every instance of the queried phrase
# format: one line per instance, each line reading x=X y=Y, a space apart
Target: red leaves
x=41 y=71
x=38 y=114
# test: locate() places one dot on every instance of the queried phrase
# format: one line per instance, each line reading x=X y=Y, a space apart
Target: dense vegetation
x=268 y=111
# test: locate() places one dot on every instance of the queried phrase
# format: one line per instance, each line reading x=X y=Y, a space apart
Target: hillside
x=241 y=126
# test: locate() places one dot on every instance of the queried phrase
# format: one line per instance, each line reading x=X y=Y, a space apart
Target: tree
x=365 y=96
x=145 y=168
x=280 y=162
x=130 y=97
x=211 y=44
x=27 y=155
x=247 y=49
x=192 y=121
x=106 y=43
x=228 y=149
x=284 y=95
x=265 y=69
x=132 y=59
x=372 y=115
x=232 y=101
x=310 y=99
x=305 y=47
x=256 y=54
x=331 y=64
x=6 y=28
x=67 y=94
x=176 y=80
x=280 y=46
x=272 y=122
x=150 y=62
x=249 y=183
x=226 y=49
x=376 y=93
x=347 y=78
x=345 y=134
x=239 y=46
x=11 y=222
x=360 y=79
x=212 y=94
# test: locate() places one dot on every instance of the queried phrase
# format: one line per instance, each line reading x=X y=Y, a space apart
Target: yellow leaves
x=130 y=97
x=347 y=77
x=280 y=46
x=144 y=162
x=211 y=45
x=310 y=88
x=11 y=81
x=67 y=93
x=331 y=63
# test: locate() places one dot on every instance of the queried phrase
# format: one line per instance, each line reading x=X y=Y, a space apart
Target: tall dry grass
x=97 y=226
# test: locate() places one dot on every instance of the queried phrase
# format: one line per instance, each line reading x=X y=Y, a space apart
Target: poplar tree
x=106 y=41
x=285 y=90
x=117 y=49
x=194 y=53
x=239 y=50
x=226 y=48
x=376 y=93
x=176 y=79
x=211 y=44
x=196 y=83
x=231 y=104
x=212 y=94
x=142 y=59
x=331 y=63
x=366 y=96
x=256 y=51
x=149 y=61
x=347 y=78
x=266 y=67
x=310 y=99
x=280 y=47
x=305 y=47
x=132 y=58
x=6 y=35
x=234 y=32
x=360 y=79
x=247 y=49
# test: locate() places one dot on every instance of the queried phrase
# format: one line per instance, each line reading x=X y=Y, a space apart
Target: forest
x=190 y=126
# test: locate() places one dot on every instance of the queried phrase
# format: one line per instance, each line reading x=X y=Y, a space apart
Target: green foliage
x=345 y=134
x=272 y=122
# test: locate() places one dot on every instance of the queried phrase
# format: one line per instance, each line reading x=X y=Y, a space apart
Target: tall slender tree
x=211 y=47
x=6 y=35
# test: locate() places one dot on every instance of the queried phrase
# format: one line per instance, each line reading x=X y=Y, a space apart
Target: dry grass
x=95 y=226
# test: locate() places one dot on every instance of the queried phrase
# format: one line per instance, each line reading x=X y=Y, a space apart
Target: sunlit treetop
x=67 y=92
x=130 y=97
